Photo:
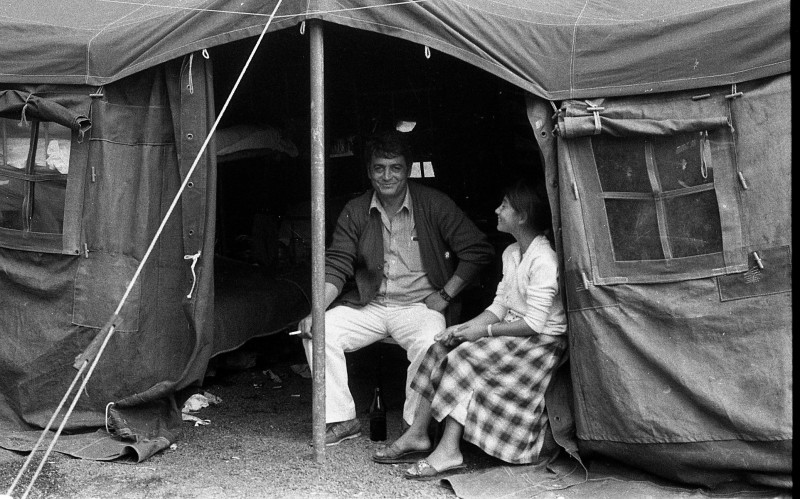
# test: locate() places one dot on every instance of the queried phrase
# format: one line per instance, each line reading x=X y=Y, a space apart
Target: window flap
x=16 y=104
x=659 y=195
x=585 y=118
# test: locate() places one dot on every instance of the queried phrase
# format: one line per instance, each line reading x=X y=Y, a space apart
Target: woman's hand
x=470 y=332
x=460 y=333
x=446 y=337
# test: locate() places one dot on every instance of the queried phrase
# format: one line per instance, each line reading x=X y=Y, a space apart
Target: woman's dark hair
x=528 y=202
x=388 y=144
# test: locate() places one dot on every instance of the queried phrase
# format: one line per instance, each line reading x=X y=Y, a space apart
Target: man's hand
x=305 y=327
x=434 y=301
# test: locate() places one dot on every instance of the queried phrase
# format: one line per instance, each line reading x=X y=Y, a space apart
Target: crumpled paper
x=197 y=421
x=197 y=402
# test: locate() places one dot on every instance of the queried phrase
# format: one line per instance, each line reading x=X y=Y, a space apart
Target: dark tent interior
x=471 y=137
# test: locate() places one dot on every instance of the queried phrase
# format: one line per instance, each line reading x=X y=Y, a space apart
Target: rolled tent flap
x=583 y=118
x=16 y=104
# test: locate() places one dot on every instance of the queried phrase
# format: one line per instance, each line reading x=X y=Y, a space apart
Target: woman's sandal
x=393 y=454
x=423 y=471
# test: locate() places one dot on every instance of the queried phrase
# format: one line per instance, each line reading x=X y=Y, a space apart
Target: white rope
x=108 y=406
x=67 y=415
x=24 y=119
x=44 y=432
x=191 y=83
x=141 y=265
x=194 y=259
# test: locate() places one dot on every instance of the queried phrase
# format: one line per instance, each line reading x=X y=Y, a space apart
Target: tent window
x=33 y=175
x=659 y=196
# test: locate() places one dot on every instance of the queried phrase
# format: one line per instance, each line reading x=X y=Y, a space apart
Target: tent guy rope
x=107 y=331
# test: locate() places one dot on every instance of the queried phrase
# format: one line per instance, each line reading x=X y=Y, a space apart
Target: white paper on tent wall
x=415 y=170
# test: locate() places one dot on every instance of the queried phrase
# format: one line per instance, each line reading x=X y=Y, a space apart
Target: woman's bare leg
x=448 y=453
x=415 y=438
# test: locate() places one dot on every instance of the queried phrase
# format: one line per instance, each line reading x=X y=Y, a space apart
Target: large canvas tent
x=667 y=166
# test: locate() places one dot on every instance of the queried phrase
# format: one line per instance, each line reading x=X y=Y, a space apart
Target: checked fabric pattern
x=508 y=377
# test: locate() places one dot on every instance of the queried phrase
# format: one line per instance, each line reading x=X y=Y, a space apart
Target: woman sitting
x=487 y=377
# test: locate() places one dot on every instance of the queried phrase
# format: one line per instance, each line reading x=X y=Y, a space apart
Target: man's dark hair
x=388 y=144
x=526 y=201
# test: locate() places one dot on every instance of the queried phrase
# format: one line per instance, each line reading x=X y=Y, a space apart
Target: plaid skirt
x=507 y=377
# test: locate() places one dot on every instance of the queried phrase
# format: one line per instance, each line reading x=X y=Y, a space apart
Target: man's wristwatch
x=446 y=297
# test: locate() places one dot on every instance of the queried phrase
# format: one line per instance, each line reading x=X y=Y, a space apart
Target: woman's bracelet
x=489 y=330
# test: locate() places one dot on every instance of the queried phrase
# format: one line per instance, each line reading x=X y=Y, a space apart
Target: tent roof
x=557 y=50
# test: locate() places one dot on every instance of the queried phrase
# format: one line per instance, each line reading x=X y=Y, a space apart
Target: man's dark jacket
x=449 y=243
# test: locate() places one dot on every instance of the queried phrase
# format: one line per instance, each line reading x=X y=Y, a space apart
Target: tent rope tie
x=205 y=55
x=108 y=406
x=194 y=259
x=303 y=28
x=190 y=86
x=112 y=322
x=734 y=94
x=595 y=110
x=98 y=93
x=24 y=118
x=427 y=52
x=705 y=158
x=758 y=260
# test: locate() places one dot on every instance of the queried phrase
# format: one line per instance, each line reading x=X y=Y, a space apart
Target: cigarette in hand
x=294 y=333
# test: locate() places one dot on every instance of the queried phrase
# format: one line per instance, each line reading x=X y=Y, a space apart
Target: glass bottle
x=377 y=417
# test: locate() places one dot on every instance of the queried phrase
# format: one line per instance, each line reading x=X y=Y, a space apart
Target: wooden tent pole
x=317 y=58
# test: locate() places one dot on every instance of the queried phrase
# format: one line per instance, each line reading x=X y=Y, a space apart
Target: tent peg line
x=97 y=346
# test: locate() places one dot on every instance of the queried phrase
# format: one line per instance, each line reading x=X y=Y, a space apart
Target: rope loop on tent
x=108 y=406
x=190 y=86
x=24 y=118
x=83 y=359
x=303 y=28
x=194 y=259
x=427 y=52
x=705 y=158
x=205 y=54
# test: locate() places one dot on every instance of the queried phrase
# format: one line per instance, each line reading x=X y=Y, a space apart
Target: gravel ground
x=256 y=445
